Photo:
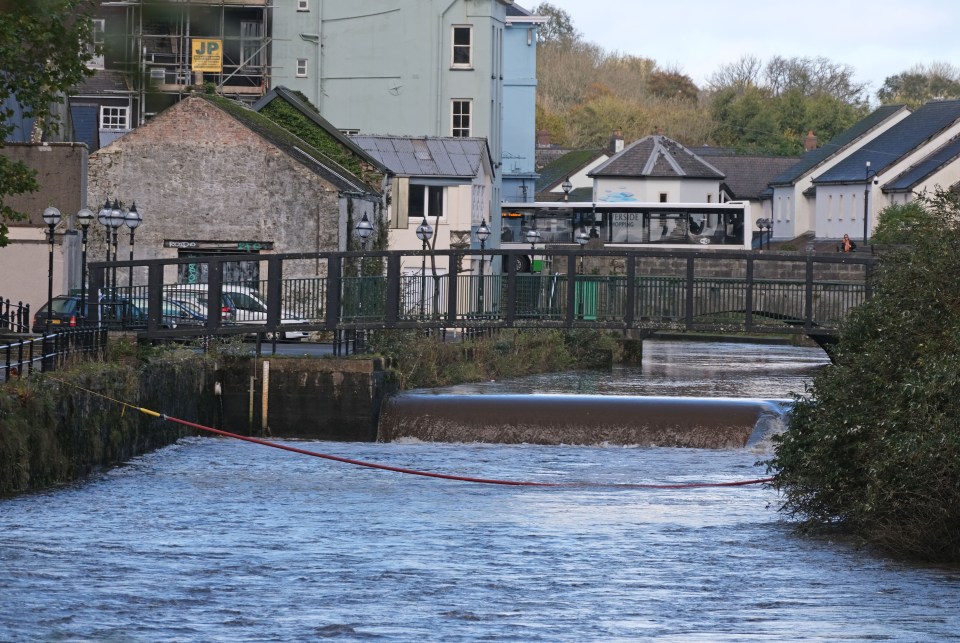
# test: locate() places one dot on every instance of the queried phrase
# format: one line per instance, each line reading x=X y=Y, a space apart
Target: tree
x=559 y=27
x=43 y=52
x=873 y=448
x=920 y=84
x=900 y=222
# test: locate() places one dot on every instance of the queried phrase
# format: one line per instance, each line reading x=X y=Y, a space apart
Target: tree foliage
x=873 y=448
x=43 y=52
x=559 y=27
x=900 y=223
x=920 y=84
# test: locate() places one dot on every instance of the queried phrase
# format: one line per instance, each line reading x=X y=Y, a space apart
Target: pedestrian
x=847 y=245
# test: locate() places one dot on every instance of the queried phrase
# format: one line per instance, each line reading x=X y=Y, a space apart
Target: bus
x=637 y=224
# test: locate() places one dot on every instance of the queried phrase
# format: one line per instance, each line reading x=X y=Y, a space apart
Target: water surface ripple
x=218 y=540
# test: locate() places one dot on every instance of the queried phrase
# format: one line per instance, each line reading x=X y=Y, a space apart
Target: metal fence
x=14 y=317
x=51 y=352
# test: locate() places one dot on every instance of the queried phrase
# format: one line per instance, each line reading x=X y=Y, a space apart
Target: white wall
x=649 y=190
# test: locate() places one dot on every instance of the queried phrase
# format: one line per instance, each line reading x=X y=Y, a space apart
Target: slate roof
x=657 y=156
x=904 y=137
x=426 y=156
x=103 y=81
x=919 y=172
x=556 y=171
x=813 y=158
x=293 y=146
x=747 y=177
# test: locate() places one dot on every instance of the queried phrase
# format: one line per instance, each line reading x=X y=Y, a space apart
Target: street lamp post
x=424 y=233
x=866 y=201
x=51 y=216
x=117 y=218
x=84 y=218
x=594 y=233
x=103 y=218
x=765 y=224
x=582 y=238
x=483 y=233
x=132 y=219
x=364 y=230
x=533 y=236
x=566 y=186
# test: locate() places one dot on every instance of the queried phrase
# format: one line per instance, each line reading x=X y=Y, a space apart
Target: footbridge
x=643 y=290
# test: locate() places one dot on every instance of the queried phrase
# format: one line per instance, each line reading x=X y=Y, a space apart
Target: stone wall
x=197 y=173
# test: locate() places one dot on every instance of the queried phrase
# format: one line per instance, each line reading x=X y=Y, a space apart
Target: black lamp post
x=364 y=229
x=765 y=224
x=51 y=216
x=582 y=238
x=594 y=233
x=132 y=219
x=533 y=236
x=84 y=218
x=424 y=233
x=866 y=201
x=567 y=186
x=483 y=233
x=116 y=220
x=103 y=218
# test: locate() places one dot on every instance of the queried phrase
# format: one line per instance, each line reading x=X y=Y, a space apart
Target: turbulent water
x=218 y=540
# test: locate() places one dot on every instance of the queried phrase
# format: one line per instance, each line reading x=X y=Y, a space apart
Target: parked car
x=238 y=304
x=118 y=313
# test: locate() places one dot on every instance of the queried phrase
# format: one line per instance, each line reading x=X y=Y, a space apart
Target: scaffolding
x=154 y=42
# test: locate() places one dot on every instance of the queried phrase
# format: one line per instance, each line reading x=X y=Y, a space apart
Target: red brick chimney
x=810 y=141
x=616 y=142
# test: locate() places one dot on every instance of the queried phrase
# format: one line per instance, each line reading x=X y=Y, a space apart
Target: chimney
x=543 y=138
x=616 y=142
x=810 y=141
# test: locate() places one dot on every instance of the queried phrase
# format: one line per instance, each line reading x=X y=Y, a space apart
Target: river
x=220 y=540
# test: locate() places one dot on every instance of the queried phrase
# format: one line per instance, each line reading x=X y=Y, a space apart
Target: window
x=301 y=67
x=98 y=27
x=663 y=197
x=114 y=117
x=461 y=118
x=425 y=200
x=462 y=48
x=303 y=5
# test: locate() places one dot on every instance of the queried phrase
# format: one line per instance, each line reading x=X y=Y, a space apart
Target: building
x=444 y=181
x=793 y=196
x=917 y=154
x=211 y=176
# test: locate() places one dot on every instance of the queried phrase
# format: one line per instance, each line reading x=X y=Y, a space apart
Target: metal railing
x=651 y=289
x=14 y=317
x=51 y=352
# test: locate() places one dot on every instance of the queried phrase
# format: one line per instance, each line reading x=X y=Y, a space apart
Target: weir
x=706 y=423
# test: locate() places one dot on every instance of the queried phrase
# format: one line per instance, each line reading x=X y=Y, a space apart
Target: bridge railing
x=631 y=289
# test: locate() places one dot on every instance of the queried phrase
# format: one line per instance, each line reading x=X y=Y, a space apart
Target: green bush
x=873 y=447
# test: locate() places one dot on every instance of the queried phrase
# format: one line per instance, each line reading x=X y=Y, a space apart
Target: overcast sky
x=877 y=38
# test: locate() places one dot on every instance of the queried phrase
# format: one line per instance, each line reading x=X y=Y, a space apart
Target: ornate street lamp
x=132 y=219
x=566 y=186
x=533 y=237
x=765 y=224
x=84 y=218
x=364 y=229
x=583 y=237
x=483 y=233
x=51 y=216
x=424 y=233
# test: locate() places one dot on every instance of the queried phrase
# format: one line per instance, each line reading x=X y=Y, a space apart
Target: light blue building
x=518 y=172
x=442 y=68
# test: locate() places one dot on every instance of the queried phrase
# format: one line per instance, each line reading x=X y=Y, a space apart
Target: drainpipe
x=443 y=15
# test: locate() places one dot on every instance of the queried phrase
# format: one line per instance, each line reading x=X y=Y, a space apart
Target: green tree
x=920 y=84
x=873 y=447
x=559 y=27
x=899 y=223
x=43 y=52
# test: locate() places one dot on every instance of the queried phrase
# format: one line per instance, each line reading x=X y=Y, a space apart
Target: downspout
x=440 y=54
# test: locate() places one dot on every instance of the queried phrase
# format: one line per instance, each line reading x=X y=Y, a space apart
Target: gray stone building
x=211 y=176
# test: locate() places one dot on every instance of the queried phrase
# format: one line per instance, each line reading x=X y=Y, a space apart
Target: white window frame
x=114 y=117
x=426 y=189
x=461 y=108
x=456 y=49
x=301 y=71
x=303 y=5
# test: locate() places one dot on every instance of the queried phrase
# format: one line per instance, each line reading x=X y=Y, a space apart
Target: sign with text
x=207 y=54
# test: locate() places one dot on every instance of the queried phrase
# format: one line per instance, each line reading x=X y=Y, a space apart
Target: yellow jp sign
x=207 y=55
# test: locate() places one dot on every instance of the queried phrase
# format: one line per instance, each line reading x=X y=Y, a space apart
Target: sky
x=877 y=38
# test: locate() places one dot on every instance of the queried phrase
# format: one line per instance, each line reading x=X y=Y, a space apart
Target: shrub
x=873 y=447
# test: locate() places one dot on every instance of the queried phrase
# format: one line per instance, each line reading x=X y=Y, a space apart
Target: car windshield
x=65 y=306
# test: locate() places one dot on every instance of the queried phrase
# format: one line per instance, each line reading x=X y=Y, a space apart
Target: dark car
x=118 y=313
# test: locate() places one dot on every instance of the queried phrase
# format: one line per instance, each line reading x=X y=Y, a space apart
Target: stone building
x=211 y=176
